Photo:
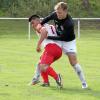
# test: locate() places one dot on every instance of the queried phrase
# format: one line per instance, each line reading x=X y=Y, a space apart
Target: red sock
x=52 y=73
x=45 y=77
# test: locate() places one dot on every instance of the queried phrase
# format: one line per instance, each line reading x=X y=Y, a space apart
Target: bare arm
x=43 y=35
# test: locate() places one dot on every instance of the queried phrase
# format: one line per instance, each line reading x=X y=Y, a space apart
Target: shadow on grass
x=73 y=90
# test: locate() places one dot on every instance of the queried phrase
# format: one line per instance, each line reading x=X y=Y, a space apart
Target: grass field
x=18 y=59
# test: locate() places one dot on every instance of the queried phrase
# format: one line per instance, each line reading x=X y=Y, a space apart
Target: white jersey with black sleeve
x=50 y=32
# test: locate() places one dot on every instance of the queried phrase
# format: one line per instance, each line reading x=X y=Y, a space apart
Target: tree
x=86 y=4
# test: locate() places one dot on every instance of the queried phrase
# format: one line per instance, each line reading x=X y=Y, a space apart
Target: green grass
x=18 y=59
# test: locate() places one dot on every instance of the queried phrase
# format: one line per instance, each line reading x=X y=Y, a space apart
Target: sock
x=52 y=73
x=37 y=72
x=45 y=77
x=79 y=72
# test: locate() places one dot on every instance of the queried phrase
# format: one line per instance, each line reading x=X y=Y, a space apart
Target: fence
x=76 y=19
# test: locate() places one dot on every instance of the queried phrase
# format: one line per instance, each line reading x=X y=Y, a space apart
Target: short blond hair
x=61 y=5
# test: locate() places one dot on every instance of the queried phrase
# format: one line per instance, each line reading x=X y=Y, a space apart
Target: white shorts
x=69 y=46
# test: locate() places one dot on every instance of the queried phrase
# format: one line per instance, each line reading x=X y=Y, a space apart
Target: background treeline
x=25 y=8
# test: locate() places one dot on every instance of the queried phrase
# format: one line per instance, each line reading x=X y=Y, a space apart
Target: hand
x=38 y=49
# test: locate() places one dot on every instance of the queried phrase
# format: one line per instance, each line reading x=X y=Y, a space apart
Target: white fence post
x=78 y=28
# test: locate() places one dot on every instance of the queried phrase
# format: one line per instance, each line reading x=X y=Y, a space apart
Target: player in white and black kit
x=65 y=33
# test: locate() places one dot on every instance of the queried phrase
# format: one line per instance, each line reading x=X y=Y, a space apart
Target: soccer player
x=52 y=51
x=65 y=32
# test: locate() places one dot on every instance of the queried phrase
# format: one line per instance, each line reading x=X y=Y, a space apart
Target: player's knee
x=43 y=67
x=73 y=62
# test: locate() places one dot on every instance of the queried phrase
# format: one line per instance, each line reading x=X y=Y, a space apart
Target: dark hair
x=33 y=17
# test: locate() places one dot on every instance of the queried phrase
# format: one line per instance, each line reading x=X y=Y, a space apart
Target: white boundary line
x=73 y=18
x=13 y=18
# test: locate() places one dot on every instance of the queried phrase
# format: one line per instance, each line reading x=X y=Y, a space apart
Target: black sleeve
x=65 y=36
x=48 y=18
x=54 y=38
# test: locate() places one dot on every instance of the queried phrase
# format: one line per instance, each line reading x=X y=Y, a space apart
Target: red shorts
x=51 y=53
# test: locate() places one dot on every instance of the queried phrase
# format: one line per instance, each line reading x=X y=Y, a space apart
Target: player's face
x=61 y=14
x=34 y=23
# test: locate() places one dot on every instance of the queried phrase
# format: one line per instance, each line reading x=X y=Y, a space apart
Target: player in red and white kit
x=52 y=50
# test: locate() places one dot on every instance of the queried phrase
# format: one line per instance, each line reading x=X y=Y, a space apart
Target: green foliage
x=25 y=8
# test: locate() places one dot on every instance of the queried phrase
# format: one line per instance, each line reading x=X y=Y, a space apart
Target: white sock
x=79 y=72
x=37 y=72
